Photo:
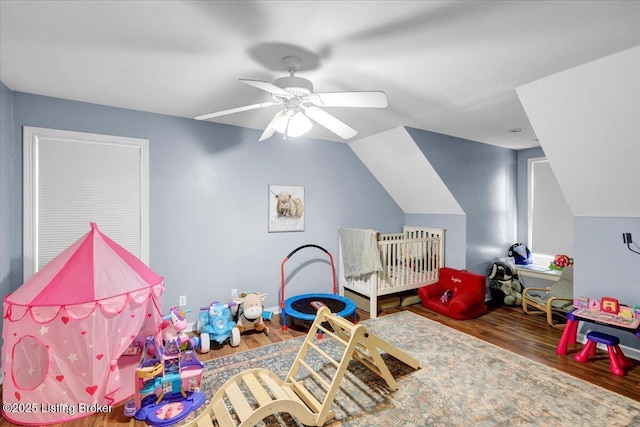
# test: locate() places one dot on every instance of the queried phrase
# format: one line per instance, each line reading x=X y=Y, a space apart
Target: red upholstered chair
x=468 y=292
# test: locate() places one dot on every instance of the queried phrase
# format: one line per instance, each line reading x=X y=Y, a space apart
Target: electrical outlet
x=626 y=238
x=183 y=300
x=234 y=293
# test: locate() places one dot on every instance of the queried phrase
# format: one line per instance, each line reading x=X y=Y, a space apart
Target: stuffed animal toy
x=446 y=296
x=512 y=290
x=504 y=285
x=249 y=312
x=499 y=271
x=520 y=253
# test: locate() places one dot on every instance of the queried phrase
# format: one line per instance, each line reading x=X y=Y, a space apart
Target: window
x=550 y=220
x=72 y=179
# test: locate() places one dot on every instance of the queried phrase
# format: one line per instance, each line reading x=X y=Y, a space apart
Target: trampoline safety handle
x=333 y=270
x=307 y=246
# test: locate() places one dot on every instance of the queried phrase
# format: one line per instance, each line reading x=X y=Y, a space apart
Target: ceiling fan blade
x=325 y=119
x=374 y=99
x=236 y=110
x=268 y=133
x=266 y=86
x=270 y=130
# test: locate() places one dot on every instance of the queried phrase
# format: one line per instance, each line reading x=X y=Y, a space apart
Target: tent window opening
x=30 y=363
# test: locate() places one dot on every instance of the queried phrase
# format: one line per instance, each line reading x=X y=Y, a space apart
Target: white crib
x=410 y=260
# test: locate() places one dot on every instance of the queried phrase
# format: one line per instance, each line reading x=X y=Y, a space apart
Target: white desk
x=539 y=272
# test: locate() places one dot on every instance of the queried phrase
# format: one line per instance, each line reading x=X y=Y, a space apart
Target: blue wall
x=483 y=179
x=455 y=255
x=209 y=195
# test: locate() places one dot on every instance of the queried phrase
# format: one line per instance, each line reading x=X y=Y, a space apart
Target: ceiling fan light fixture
x=292 y=125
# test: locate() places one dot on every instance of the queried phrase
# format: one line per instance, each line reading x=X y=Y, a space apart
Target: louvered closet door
x=72 y=179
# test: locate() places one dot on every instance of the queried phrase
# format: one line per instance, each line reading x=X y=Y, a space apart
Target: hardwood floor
x=505 y=327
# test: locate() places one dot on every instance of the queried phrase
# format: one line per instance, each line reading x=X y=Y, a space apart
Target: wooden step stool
x=619 y=363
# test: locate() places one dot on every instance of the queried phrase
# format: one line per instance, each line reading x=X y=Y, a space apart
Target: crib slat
x=409 y=260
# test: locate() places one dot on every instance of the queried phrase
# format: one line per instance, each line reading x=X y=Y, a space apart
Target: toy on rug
x=446 y=296
x=249 y=309
x=504 y=285
x=216 y=324
x=561 y=261
x=173 y=327
x=167 y=384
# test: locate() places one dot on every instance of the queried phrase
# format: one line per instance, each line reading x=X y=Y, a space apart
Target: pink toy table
x=586 y=315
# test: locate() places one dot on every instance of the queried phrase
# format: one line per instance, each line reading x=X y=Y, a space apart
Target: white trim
x=530 y=180
x=32 y=139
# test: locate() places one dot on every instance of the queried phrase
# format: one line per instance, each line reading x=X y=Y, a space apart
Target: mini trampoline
x=304 y=307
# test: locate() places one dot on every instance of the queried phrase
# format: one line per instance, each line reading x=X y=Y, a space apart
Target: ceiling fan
x=302 y=104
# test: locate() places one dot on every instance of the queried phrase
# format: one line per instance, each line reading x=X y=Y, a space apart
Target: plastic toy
x=581 y=302
x=167 y=384
x=626 y=311
x=173 y=327
x=215 y=323
x=249 y=311
x=561 y=261
x=610 y=305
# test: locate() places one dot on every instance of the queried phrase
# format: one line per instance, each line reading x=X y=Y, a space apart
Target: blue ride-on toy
x=216 y=324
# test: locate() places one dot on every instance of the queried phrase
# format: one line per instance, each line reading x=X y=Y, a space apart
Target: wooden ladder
x=251 y=396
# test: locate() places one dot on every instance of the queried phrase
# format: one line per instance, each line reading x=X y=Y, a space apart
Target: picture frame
x=287 y=208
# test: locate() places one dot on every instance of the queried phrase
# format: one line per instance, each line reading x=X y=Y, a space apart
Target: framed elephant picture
x=286 y=208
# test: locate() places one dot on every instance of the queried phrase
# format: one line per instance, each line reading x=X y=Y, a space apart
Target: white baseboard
x=274 y=310
x=630 y=352
x=191 y=326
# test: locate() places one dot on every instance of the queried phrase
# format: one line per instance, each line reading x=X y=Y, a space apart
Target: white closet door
x=74 y=178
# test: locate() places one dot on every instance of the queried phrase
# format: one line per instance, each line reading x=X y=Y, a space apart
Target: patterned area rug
x=463 y=381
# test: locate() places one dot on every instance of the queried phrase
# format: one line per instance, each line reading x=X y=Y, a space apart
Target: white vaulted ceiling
x=446 y=66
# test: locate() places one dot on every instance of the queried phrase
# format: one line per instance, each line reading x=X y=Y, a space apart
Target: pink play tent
x=66 y=328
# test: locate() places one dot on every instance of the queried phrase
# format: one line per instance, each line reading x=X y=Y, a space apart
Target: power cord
x=628 y=240
x=636 y=245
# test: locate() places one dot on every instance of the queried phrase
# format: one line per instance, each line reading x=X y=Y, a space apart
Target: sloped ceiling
x=588 y=122
x=405 y=173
